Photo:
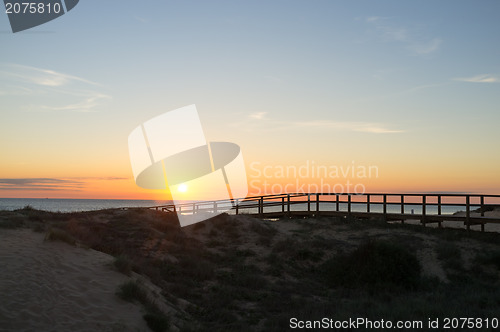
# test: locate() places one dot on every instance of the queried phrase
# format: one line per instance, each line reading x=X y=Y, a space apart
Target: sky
x=409 y=89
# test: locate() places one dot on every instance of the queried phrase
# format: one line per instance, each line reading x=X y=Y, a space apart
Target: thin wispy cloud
x=141 y=19
x=389 y=31
x=87 y=105
x=43 y=77
x=423 y=48
x=374 y=128
x=374 y=18
x=258 y=115
x=13 y=90
x=65 y=92
x=40 y=184
x=264 y=123
x=51 y=184
x=485 y=78
x=424 y=87
x=273 y=79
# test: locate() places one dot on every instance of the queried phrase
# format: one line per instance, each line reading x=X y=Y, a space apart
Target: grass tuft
x=56 y=234
x=131 y=291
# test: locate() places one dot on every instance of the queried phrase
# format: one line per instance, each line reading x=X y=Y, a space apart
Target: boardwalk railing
x=427 y=208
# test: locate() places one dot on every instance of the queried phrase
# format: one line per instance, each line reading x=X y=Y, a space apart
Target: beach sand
x=52 y=286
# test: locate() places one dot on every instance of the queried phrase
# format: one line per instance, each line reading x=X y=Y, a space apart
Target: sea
x=75 y=205
x=78 y=205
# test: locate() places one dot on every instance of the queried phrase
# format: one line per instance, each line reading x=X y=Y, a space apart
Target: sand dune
x=52 y=286
x=235 y=272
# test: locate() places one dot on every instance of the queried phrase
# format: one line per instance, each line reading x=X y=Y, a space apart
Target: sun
x=182 y=188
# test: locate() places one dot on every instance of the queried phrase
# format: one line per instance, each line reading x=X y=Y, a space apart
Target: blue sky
x=382 y=82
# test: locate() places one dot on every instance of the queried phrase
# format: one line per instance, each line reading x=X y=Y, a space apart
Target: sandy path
x=52 y=286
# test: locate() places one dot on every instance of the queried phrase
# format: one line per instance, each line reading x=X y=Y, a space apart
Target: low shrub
x=374 y=265
x=449 y=253
x=157 y=322
x=492 y=258
x=131 y=291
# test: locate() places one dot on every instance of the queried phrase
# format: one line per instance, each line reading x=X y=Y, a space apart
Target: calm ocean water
x=74 y=205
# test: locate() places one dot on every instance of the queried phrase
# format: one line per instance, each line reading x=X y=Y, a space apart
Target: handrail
x=424 y=200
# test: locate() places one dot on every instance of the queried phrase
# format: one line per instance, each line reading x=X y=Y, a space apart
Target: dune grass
x=57 y=234
x=132 y=291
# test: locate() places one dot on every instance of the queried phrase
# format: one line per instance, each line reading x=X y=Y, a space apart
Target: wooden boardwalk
x=426 y=208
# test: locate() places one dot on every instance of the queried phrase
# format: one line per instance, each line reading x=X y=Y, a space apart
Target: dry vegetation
x=241 y=273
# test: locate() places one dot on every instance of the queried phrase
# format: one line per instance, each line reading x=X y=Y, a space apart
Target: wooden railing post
x=308 y=202
x=317 y=204
x=467 y=213
x=236 y=205
x=482 y=206
x=282 y=204
x=402 y=208
x=337 y=202
x=261 y=205
x=288 y=205
x=349 y=206
x=439 y=204
x=424 y=204
x=368 y=203
x=385 y=207
x=482 y=212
